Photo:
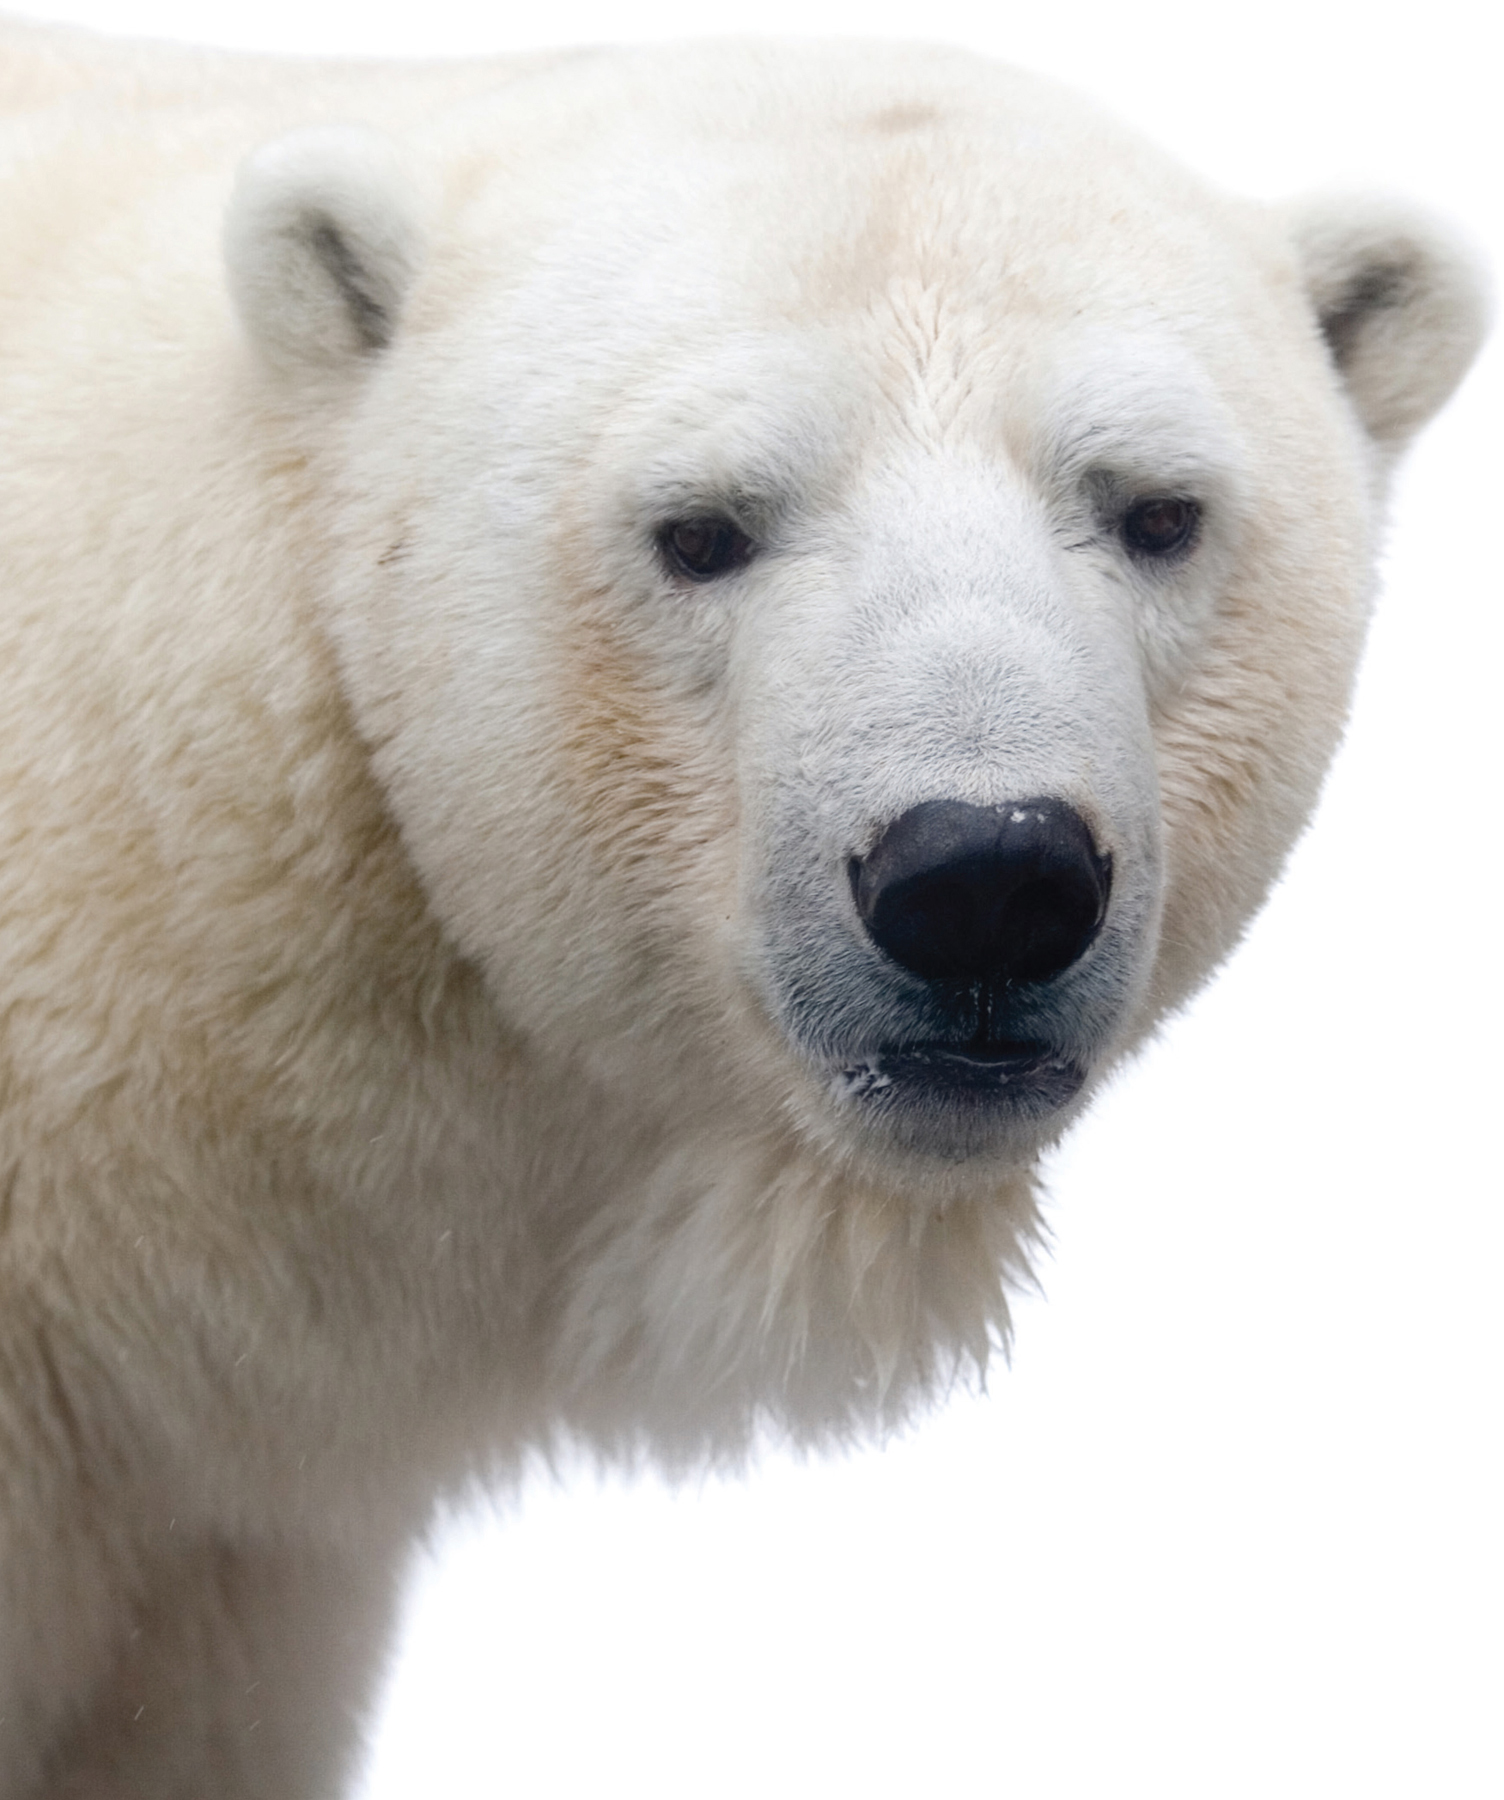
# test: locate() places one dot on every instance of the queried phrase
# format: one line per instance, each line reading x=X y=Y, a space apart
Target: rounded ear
x=1402 y=304
x=323 y=237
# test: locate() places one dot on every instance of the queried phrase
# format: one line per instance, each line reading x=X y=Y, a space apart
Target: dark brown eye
x=704 y=548
x=1160 y=527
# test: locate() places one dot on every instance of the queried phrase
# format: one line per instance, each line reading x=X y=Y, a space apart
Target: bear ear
x=323 y=238
x=1401 y=302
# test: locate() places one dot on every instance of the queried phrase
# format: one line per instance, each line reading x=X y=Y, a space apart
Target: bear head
x=850 y=572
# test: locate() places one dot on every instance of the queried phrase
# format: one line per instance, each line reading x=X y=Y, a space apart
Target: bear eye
x=704 y=548
x=1160 y=525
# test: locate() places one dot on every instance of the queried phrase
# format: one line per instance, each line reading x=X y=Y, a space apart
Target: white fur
x=433 y=1014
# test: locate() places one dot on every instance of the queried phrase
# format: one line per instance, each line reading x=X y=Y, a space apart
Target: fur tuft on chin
x=784 y=1301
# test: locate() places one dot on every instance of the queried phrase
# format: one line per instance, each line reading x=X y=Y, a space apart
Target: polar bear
x=628 y=674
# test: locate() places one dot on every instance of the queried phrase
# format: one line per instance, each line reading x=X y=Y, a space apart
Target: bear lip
x=1026 y=1076
x=1018 y=1053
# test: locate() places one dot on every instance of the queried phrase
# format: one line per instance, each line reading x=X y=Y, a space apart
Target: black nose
x=973 y=893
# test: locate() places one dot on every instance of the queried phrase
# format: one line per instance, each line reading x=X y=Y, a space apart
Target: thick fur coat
x=492 y=555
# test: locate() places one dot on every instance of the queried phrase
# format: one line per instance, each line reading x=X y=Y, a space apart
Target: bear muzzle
x=980 y=902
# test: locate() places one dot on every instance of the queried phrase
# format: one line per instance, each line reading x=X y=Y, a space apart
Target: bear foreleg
x=243 y=1674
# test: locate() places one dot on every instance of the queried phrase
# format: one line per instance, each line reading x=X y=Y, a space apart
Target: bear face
x=829 y=726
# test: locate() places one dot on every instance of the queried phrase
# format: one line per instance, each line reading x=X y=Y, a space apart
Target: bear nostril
x=1004 y=893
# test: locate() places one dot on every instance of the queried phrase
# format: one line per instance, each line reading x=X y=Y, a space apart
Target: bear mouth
x=1021 y=1078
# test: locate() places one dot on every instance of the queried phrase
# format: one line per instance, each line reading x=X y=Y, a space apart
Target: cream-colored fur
x=431 y=1016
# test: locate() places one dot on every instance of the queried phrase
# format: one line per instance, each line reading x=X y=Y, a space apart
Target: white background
x=1231 y=1524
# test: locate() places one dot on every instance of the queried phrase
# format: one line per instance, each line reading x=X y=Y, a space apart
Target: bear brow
x=892 y=120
